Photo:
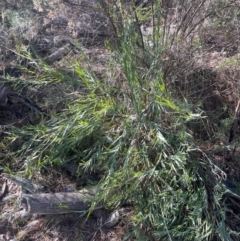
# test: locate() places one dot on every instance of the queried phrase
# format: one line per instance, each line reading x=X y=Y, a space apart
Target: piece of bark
x=114 y=217
x=26 y=184
x=59 y=54
x=56 y=203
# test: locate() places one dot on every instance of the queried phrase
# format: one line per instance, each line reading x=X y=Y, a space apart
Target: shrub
x=132 y=128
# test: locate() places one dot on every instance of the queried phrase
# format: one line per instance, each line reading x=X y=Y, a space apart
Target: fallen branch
x=57 y=203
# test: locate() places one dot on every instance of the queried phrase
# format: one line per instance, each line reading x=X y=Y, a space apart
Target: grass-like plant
x=132 y=130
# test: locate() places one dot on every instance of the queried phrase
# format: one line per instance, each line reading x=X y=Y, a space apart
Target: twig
x=4 y=190
x=139 y=29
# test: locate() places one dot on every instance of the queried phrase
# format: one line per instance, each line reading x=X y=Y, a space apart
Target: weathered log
x=56 y=203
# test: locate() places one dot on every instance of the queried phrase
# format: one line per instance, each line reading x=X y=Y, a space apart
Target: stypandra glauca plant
x=131 y=128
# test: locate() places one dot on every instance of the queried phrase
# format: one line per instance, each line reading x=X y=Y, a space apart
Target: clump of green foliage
x=133 y=130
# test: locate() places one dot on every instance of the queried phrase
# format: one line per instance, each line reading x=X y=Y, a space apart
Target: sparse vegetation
x=150 y=126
